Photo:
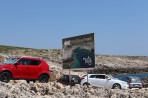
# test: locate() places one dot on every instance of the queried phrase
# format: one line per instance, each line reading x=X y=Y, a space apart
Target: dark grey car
x=70 y=79
x=134 y=82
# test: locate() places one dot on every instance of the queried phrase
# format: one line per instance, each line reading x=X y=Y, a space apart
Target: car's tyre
x=28 y=81
x=44 y=78
x=86 y=84
x=116 y=86
x=5 y=77
x=33 y=81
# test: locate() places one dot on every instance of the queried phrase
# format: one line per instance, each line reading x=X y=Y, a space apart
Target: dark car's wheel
x=116 y=86
x=72 y=83
x=44 y=78
x=5 y=77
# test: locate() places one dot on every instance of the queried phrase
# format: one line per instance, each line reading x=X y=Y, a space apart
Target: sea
x=120 y=76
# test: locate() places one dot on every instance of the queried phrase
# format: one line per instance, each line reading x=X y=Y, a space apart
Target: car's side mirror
x=108 y=78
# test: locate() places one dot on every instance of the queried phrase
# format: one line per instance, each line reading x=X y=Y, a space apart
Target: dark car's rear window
x=76 y=77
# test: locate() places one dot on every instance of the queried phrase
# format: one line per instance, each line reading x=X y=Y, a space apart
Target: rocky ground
x=56 y=90
x=104 y=64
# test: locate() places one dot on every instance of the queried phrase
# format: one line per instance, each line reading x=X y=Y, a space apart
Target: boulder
x=55 y=74
x=59 y=86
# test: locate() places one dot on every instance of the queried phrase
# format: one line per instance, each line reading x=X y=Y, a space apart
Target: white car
x=103 y=80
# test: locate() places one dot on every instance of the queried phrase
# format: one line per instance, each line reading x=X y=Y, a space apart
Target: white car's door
x=101 y=80
x=92 y=80
x=110 y=82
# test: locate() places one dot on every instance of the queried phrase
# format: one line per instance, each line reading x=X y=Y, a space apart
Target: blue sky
x=120 y=26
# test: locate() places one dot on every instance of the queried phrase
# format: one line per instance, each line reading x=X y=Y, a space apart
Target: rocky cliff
x=104 y=63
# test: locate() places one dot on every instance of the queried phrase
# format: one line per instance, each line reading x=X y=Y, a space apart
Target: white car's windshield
x=11 y=60
x=110 y=76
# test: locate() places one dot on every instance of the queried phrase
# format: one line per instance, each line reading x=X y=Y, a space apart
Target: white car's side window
x=100 y=76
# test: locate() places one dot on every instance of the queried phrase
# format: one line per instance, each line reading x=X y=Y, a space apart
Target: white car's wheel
x=116 y=86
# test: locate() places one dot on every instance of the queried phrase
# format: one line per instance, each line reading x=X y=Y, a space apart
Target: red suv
x=27 y=68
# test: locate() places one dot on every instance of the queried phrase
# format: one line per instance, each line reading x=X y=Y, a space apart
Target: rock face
x=105 y=64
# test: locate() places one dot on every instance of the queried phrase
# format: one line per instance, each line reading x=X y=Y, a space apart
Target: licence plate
x=137 y=85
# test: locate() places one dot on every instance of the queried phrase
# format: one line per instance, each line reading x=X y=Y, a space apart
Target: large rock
x=55 y=74
x=59 y=85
